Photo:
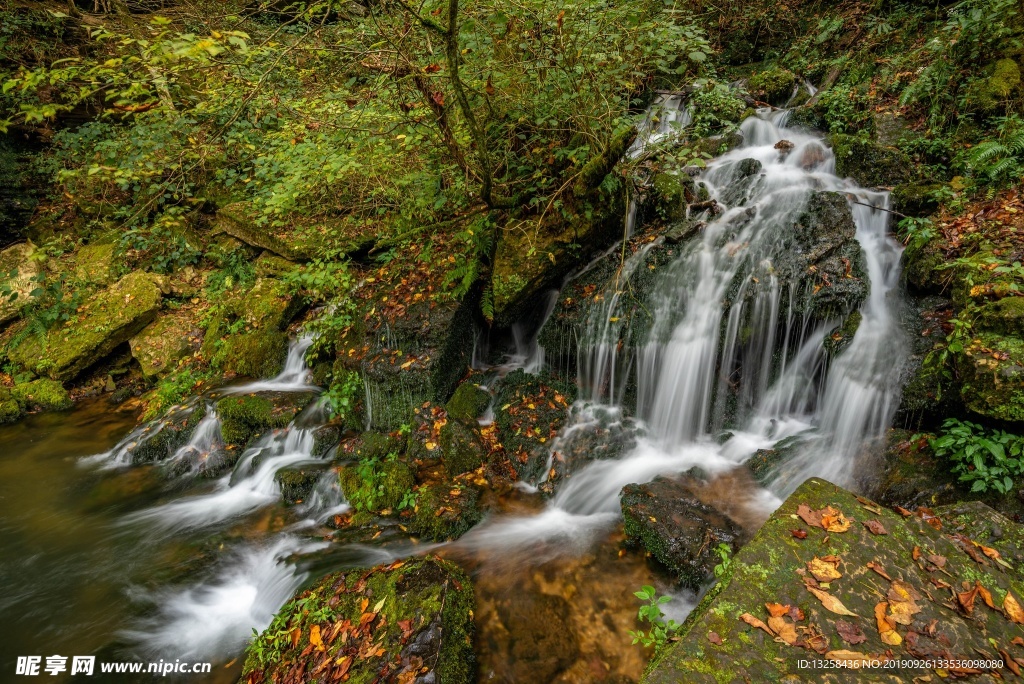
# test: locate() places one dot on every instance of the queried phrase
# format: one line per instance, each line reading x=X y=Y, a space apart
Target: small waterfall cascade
x=294 y=377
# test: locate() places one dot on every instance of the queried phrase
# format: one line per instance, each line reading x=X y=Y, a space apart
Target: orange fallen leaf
x=1012 y=609
x=822 y=570
x=875 y=527
x=850 y=658
x=872 y=565
x=886 y=627
x=776 y=609
x=754 y=622
x=830 y=602
x=314 y=637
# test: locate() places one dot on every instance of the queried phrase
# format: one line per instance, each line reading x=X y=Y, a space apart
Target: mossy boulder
x=445 y=511
x=991 y=375
x=378 y=486
x=461 y=448
x=19 y=272
x=928 y=392
x=370 y=445
x=105 y=321
x=468 y=403
x=42 y=395
x=766 y=464
x=271 y=265
x=160 y=345
x=243 y=419
x=870 y=163
x=297 y=482
x=986 y=95
x=325 y=438
x=668 y=195
x=238 y=221
x=530 y=410
x=10 y=409
x=254 y=354
x=408 y=621
x=774 y=86
x=920 y=565
x=1004 y=316
x=675 y=527
x=94 y=264
x=159 y=439
x=915 y=199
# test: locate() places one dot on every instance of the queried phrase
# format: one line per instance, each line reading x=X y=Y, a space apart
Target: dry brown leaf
x=937 y=560
x=714 y=638
x=754 y=622
x=799 y=534
x=872 y=565
x=783 y=628
x=851 y=633
x=796 y=614
x=776 y=609
x=823 y=570
x=886 y=627
x=852 y=658
x=1017 y=641
x=903 y=602
x=1012 y=609
x=812 y=518
x=916 y=553
x=903 y=511
x=830 y=602
x=875 y=527
x=966 y=599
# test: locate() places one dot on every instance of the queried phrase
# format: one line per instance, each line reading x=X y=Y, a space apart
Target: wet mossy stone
x=106 y=320
x=94 y=264
x=18 y=272
x=840 y=337
x=1004 y=316
x=774 y=86
x=668 y=195
x=771 y=568
x=988 y=94
x=255 y=354
x=10 y=409
x=461 y=449
x=42 y=395
x=297 y=482
x=468 y=403
x=325 y=438
x=869 y=163
x=915 y=199
x=370 y=445
x=414 y=616
x=244 y=418
x=928 y=393
x=160 y=439
x=675 y=527
x=766 y=463
x=524 y=431
x=378 y=486
x=445 y=511
x=269 y=264
x=160 y=345
x=991 y=373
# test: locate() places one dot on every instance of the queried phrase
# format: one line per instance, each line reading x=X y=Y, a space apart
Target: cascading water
x=293 y=378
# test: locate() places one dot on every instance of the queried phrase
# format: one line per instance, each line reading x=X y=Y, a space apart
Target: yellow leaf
x=830 y=602
x=824 y=571
x=314 y=637
x=1013 y=609
x=786 y=630
x=851 y=658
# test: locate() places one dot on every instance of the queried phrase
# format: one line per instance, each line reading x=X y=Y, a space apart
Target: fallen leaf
x=937 y=560
x=1017 y=641
x=874 y=508
x=314 y=637
x=1010 y=663
x=812 y=518
x=851 y=658
x=1013 y=609
x=799 y=534
x=824 y=571
x=831 y=602
x=754 y=622
x=714 y=638
x=916 y=553
x=886 y=627
x=783 y=628
x=875 y=527
x=833 y=520
x=966 y=599
x=903 y=511
x=776 y=609
x=903 y=602
x=851 y=633
x=796 y=614
x=872 y=565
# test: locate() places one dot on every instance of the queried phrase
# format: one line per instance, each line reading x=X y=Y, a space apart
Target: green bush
x=987 y=459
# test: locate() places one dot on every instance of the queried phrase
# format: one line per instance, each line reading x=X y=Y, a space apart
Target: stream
x=101 y=557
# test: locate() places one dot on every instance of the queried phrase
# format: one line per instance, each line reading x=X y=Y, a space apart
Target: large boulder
x=529 y=412
x=105 y=321
x=42 y=395
x=94 y=264
x=19 y=273
x=870 y=163
x=673 y=525
x=409 y=621
x=164 y=342
x=990 y=370
x=237 y=221
x=874 y=585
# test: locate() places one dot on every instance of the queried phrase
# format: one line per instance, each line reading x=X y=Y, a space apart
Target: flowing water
x=100 y=556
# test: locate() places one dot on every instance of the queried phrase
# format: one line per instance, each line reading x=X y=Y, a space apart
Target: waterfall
x=293 y=378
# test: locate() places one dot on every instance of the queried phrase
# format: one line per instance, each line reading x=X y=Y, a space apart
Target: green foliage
x=661 y=630
x=916 y=232
x=717 y=109
x=845 y=109
x=724 y=552
x=329 y=282
x=343 y=394
x=53 y=301
x=175 y=388
x=988 y=459
x=1000 y=161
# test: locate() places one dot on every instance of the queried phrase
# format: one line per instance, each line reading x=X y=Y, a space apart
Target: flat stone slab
x=879 y=596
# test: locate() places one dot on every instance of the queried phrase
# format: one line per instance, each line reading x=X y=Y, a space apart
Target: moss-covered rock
x=325 y=438
x=840 y=337
x=160 y=345
x=526 y=421
x=377 y=486
x=1004 y=316
x=10 y=409
x=254 y=354
x=774 y=85
x=270 y=265
x=468 y=403
x=870 y=163
x=668 y=195
x=675 y=527
x=461 y=448
x=19 y=272
x=928 y=392
x=986 y=95
x=991 y=374
x=297 y=482
x=445 y=511
x=411 y=620
x=94 y=264
x=42 y=395
x=238 y=221
x=242 y=419
x=106 y=320
x=913 y=559
x=915 y=199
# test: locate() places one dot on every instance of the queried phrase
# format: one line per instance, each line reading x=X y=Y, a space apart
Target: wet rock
x=158 y=440
x=407 y=621
x=530 y=410
x=840 y=337
x=812 y=156
x=297 y=482
x=243 y=419
x=669 y=195
x=325 y=438
x=928 y=393
x=748 y=167
x=915 y=199
x=765 y=464
x=772 y=569
x=162 y=343
x=106 y=320
x=1004 y=316
x=675 y=527
x=10 y=409
x=869 y=163
x=270 y=265
x=42 y=395
x=541 y=642
x=469 y=403
x=94 y=264
x=19 y=272
x=990 y=370
x=445 y=511
x=461 y=448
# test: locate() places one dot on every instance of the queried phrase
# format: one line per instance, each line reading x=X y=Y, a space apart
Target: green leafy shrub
x=660 y=629
x=987 y=459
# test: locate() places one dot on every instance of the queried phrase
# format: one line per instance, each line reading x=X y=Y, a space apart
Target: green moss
x=296 y=483
x=43 y=394
x=377 y=486
x=244 y=418
x=461 y=450
x=445 y=511
x=1004 y=316
x=992 y=376
x=94 y=264
x=869 y=163
x=255 y=354
x=669 y=196
x=842 y=335
x=10 y=410
x=773 y=85
x=987 y=94
x=421 y=609
x=468 y=403
x=915 y=199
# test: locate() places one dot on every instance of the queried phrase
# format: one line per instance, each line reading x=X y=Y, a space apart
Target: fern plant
x=1000 y=161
